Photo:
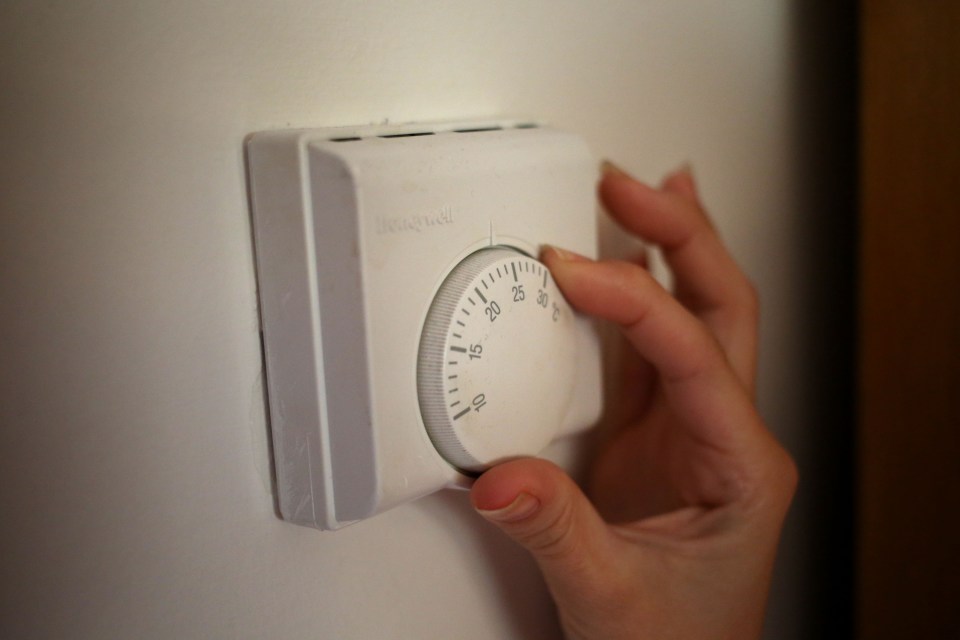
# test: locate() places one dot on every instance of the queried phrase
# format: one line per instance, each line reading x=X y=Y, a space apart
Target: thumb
x=540 y=507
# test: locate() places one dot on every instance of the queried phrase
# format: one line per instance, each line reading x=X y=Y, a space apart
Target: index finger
x=708 y=280
x=703 y=390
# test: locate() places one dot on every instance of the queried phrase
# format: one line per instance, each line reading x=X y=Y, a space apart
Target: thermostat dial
x=496 y=365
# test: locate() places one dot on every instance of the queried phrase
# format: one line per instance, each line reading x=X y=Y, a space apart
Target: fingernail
x=561 y=254
x=557 y=252
x=523 y=506
x=608 y=168
x=685 y=167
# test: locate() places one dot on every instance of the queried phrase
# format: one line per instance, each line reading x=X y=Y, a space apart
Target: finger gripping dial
x=497 y=358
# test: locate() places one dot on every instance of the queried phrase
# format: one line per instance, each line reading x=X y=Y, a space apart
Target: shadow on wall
x=825 y=105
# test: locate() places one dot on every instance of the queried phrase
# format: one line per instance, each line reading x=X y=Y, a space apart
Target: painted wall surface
x=135 y=494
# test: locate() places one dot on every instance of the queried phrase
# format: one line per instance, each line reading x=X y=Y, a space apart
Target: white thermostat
x=412 y=338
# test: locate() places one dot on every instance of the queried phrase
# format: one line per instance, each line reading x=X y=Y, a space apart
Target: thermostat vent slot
x=407 y=135
x=478 y=129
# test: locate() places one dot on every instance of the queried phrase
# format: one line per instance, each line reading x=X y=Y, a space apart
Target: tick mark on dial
x=462 y=413
x=477 y=290
x=457 y=335
x=460 y=323
x=465 y=311
x=544 y=278
x=453 y=390
x=458 y=349
x=513 y=265
x=472 y=302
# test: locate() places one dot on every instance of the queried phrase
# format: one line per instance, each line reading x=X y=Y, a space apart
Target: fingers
x=635 y=383
x=680 y=182
x=703 y=390
x=708 y=280
x=540 y=507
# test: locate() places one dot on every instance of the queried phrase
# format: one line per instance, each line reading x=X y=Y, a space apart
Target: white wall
x=135 y=488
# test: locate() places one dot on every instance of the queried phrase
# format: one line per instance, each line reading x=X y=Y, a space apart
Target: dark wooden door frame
x=909 y=365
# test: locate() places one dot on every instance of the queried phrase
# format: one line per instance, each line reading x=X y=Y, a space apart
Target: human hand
x=689 y=498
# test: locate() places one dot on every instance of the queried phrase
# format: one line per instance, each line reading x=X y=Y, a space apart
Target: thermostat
x=412 y=338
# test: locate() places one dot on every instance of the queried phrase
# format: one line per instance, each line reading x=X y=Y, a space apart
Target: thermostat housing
x=356 y=229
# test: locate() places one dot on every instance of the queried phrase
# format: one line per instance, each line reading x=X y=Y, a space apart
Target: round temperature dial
x=497 y=360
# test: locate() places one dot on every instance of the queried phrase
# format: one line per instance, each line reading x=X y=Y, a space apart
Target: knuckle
x=750 y=298
x=783 y=475
x=688 y=230
x=790 y=473
x=554 y=537
x=753 y=294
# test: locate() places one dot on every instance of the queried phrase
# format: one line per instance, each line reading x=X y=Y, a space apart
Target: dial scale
x=411 y=338
x=498 y=322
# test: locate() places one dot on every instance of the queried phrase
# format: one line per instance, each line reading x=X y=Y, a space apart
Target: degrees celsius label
x=496 y=365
